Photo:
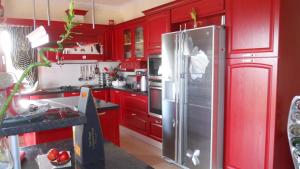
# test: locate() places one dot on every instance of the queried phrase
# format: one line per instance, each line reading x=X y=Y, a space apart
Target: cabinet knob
x=117 y=91
x=248 y=60
x=134 y=95
x=157 y=121
x=102 y=114
x=133 y=114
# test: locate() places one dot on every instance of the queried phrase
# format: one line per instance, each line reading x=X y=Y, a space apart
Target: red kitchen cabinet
x=250 y=113
x=47 y=136
x=135 y=109
x=203 y=8
x=156 y=25
x=71 y=94
x=101 y=94
x=155 y=128
x=252 y=27
x=116 y=96
x=110 y=126
x=117 y=42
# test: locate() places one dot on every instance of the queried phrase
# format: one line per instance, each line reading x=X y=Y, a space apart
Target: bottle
x=97 y=72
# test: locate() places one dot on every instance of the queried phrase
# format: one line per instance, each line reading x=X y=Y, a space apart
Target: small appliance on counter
x=141 y=80
x=293 y=130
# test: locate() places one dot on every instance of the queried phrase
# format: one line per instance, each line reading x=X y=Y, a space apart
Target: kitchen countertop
x=77 y=89
x=60 y=115
x=115 y=158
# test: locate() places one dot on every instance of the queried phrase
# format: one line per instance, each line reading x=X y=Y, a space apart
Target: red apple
x=63 y=156
x=53 y=154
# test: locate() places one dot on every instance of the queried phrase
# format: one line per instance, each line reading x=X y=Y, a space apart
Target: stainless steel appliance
x=154 y=67
x=193 y=96
x=293 y=130
x=155 y=98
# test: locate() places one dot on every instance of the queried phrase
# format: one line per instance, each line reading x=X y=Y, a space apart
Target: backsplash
x=67 y=74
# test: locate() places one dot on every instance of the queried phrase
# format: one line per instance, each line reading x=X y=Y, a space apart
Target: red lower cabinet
x=71 y=94
x=101 y=94
x=155 y=128
x=110 y=126
x=136 y=122
x=250 y=113
x=47 y=136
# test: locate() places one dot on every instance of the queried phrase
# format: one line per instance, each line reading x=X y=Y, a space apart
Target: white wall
x=135 y=8
x=24 y=9
x=103 y=13
x=66 y=75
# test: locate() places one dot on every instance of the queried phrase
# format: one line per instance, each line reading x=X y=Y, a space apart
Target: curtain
x=22 y=54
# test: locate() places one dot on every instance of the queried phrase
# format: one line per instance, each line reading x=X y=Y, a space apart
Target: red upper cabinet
x=252 y=27
x=129 y=41
x=156 y=25
x=250 y=113
x=181 y=12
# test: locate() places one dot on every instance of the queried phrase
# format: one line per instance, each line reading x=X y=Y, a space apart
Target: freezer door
x=169 y=96
x=199 y=126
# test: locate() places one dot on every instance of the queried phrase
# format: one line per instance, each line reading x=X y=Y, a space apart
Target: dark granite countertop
x=72 y=102
x=51 y=119
x=61 y=114
x=115 y=158
x=77 y=89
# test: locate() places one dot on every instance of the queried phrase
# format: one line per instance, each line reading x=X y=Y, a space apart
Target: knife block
x=88 y=139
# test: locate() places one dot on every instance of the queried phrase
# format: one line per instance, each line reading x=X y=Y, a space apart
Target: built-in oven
x=154 y=67
x=155 y=98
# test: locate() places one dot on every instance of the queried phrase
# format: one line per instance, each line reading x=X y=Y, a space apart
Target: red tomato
x=63 y=156
x=53 y=154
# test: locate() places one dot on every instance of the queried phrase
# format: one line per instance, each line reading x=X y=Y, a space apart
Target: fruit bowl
x=56 y=163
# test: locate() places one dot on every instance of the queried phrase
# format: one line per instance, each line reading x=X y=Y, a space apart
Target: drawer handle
x=102 y=114
x=248 y=60
x=133 y=114
x=117 y=92
x=249 y=55
x=157 y=46
x=157 y=121
x=134 y=95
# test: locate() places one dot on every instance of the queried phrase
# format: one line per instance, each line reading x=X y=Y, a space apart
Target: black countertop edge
x=58 y=91
x=41 y=126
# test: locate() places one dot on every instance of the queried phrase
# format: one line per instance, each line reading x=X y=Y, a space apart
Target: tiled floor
x=145 y=152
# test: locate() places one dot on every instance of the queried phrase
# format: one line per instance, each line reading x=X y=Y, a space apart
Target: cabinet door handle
x=134 y=95
x=157 y=121
x=117 y=91
x=102 y=114
x=133 y=114
x=157 y=46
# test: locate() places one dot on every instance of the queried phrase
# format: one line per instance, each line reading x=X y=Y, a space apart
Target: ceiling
x=106 y=2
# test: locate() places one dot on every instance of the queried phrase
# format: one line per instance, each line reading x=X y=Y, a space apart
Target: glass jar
x=6 y=160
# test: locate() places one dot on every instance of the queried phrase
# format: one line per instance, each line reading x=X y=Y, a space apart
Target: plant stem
x=43 y=59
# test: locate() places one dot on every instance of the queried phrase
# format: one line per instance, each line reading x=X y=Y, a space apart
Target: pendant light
x=48 y=13
x=93 y=13
x=1 y=10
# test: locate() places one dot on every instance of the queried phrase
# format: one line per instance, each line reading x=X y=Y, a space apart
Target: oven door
x=154 y=67
x=155 y=101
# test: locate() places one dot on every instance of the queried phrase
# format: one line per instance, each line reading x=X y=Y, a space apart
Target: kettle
x=144 y=83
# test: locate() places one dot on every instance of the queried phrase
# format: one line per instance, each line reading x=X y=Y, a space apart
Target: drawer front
x=155 y=129
x=136 y=122
x=71 y=94
x=136 y=103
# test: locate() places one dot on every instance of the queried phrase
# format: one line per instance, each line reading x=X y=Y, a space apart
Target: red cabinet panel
x=155 y=128
x=252 y=27
x=136 y=103
x=116 y=97
x=71 y=94
x=47 y=136
x=156 y=25
x=110 y=126
x=136 y=122
x=101 y=94
x=118 y=46
x=250 y=114
x=203 y=8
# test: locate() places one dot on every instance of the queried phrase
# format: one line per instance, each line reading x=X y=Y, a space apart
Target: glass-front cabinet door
x=127 y=44
x=139 y=42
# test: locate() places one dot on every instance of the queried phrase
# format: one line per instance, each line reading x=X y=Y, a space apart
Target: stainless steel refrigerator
x=193 y=63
